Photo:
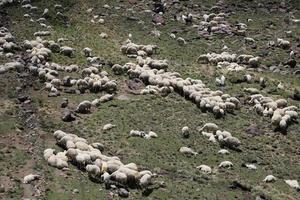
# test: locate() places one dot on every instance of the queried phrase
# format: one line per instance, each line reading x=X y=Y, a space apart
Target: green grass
x=273 y=153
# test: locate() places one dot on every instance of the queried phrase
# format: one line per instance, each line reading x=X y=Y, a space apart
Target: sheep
x=145 y=180
x=251 y=90
x=188 y=151
x=48 y=153
x=93 y=171
x=223 y=151
x=59 y=134
x=283 y=43
x=135 y=133
x=173 y=36
x=209 y=127
x=251 y=166
x=220 y=81
x=185 y=132
x=42 y=33
x=82 y=159
x=231 y=142
x=107 y=127
x=205 y=169
x=181 y=41
x=254 y=62
x=31 y=177
x=118 y=69
x=292 y=183
x=67 y=51
x=84 y=107
x=226 y=164
x=119 y=177
x=103 y=35
x=106 y=98
x=269 y=178
x=87 y=52
x=151 y=134
x=82 y=146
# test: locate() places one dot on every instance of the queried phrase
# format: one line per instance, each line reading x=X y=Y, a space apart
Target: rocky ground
x=30 y=114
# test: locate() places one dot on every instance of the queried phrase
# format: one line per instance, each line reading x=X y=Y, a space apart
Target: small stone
x=123 y=193
x=68 y=116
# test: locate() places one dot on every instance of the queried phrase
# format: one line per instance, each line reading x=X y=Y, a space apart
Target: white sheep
x=188 y=151
x=251 y=166
x=226 y=164
x=84 y=107
x=209 y=127
x=223 y=151
x=87 y=52
x=67 y=51
x=31 y=177
x=107 y=127
x=292 y=183
x=269 y=178
x=185 y=132
x=205 y=169
x=145 y=180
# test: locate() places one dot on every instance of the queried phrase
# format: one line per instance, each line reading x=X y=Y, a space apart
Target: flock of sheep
x=158 y=80
x=99 y=167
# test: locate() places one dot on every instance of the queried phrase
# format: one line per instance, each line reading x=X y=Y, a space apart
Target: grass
x=273 y=153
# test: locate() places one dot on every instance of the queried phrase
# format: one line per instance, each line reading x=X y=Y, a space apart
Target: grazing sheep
x=231 y=142
x=185 y=132
x=106 y=97
x=107 y=127
x=292 y=183
x=84 y=107
x=269 y=178
x=181 y=41
x=226 y=164
x=205 y=169
x=145 y=180
x=31 y=177
x=151 y=134
x=283 y=43
x=220 y=81
x=251 y=166
x=67 y=51
x=87 y=52
x=103 y=35
x=93 y=170
x=223 y=151
x=210 y=127
x=188 y=151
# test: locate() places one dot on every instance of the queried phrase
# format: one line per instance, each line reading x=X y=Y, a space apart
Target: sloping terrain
x=29 y=114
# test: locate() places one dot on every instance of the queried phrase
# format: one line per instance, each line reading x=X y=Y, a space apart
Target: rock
x=291 y=62
x=158 y=19
x=68 y=116
x=297 y=72
x=296 y=95
x=254 y=130
x=70 y=90
x=22 y=98
x=65 y=102
x=2 y=189
x=123 y=193
x=272 y=68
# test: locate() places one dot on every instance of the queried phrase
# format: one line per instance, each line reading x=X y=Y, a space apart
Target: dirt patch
x=123 y=97
x=134 y=86
x=5 y=105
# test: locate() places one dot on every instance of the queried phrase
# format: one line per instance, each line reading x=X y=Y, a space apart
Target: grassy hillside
x=26 y=131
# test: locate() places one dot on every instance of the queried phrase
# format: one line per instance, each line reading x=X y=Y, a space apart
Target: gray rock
x=123 y=193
